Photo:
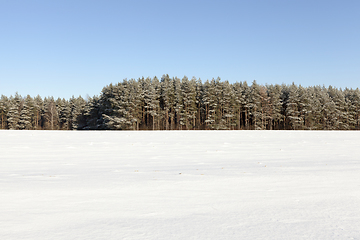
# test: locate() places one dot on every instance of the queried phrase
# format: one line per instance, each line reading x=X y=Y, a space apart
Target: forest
x=172 y=103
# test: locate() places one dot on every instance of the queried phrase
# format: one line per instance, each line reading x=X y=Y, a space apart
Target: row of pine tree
x=183 y=104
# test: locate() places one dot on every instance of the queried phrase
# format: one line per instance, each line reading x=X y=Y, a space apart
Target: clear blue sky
x=76 y=47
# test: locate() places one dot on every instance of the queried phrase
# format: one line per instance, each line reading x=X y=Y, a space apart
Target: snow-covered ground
x=179 y=185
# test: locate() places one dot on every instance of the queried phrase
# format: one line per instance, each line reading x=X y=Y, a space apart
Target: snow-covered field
x=179 y=185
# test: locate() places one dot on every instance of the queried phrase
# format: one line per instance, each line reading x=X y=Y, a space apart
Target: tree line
x=189 y=104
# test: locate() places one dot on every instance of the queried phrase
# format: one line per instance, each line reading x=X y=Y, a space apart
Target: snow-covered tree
x=166 y=101
x=293 y=111
x=275 y=105
x=50 y=114
x=188 y=95
x=210 y=104
x=77 y=106
x=13 y=114
x=38 y=110
x=26 y=114
x=4 y=102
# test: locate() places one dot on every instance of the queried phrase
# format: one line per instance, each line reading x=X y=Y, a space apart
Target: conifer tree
x=13 y=115
x=292 y=108
x=26 y=114
x=166 y=101
x=238 y=105
x=188 y=95
x=228 y=107
x=92 y=114
x=120 y=119
x=77 y=106
x=247 y=104
x=38 y=108
x=276 y=104
x=200 y=115
x=341 y=108
x=50 y=114
x=210 y=103
x=4 y=101
x=133 y=104
x=64 y=111
x=171 y=103
x=178 y=105
x=255 y=104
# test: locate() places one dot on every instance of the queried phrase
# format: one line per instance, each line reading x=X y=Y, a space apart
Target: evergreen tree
x=255 y=106
x=134 y=104
x=178 y=105
x=26 y=114
x=38 y=108
x=239 y=104
x=247 y=104
x=228 y=106
x=210 y=104
x=186 y=104
x=188 y=95
x=93 y=114
x=166 y=101
x=119 y=118
x=50 y=114
x=293 y=108
x=341 y=109
x=77 y=106
x=149 y=96
x=13 y=115
x=275 y=116
x=4 y=101
x=64 y=112
x=200 y=115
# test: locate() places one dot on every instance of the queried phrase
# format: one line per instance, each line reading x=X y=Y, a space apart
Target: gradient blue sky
x=76 y=47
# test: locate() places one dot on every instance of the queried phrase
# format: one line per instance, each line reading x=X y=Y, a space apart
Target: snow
x=179 y=185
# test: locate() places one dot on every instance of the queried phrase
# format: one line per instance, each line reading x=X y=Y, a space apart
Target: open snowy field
x=179 y=185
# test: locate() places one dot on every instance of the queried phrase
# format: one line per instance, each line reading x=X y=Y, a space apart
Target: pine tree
x=200 y=115
x=64 y=111
x=77 y=113
x=239 y=104
x=247 y=104
x=188 y=95
x=4 y=101
x=276 y=104
x=116 y=116
x=210 y=104
x=188 y=104
x=121 y=117
x=50 y=114
x=352 y=98
x=255 y=106
x=227 y=104
x=178 y=105
x=150 y=98
x=92 y=114
x=135 y=103
x=26 y=114
x=166 y=101
x=293 y=109
x=341 y=108
x=38 y=112
x=13 y=115
x=328 y=110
